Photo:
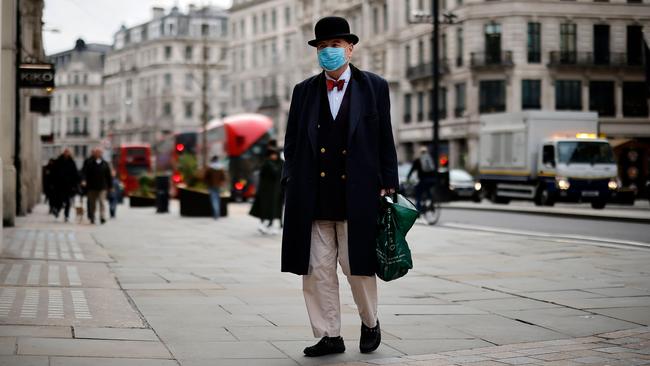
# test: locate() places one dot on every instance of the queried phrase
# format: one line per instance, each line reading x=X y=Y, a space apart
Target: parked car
x=463 y=186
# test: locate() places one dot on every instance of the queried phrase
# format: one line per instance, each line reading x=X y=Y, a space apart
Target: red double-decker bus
x=130 y=161
x=240 y=141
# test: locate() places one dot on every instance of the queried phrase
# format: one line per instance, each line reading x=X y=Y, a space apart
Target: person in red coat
x=339 y=159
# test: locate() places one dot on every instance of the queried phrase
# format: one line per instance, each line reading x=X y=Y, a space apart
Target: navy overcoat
x=371 y=164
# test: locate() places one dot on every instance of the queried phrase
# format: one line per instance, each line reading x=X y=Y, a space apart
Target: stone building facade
x=153 y=76
x=20 y=179
x=76 y=118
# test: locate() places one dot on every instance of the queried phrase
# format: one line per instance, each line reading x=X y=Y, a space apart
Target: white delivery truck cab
x=545 y=156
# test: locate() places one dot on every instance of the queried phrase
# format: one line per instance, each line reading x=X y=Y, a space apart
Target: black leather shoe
x=370 y=338
x=326 y=346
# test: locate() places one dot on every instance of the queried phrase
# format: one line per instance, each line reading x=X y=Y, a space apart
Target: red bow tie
x=338 y=83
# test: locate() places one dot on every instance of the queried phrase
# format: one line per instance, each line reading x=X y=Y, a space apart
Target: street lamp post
x=436 y=85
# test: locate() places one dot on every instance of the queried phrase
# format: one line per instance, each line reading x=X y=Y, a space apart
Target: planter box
x=195 y=203
x=141 y=201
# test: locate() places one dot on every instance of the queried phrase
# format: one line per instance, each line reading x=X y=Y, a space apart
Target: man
x=97 y=180
x=426 y=170
x=340 y=157
x=66 y=183
x=215 y=177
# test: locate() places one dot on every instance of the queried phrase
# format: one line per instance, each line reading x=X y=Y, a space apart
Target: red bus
x=169 y=149
x=240 y=141
x=130 y=161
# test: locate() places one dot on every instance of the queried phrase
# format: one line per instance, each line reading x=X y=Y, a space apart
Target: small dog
x=79 y=209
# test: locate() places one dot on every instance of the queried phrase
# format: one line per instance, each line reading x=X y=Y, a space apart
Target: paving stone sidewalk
x=624 y=348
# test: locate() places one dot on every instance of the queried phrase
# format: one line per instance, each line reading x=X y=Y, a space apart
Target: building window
x=601 y=98
x=287 y=16
x=76 y=129
x=85 y=99
x=85 y=126
x=568 y=39
x=407 y=108
x=459 y=47
x=76 y=100
x=568 y=95
x=407 y=56
x=242 y=28
x=634 y=45
x=407 y=11
x=167 y=109
x=601 y=44
x=254 y=24
x=375 y=19
x=189 y=81
x=168 y=80
x=263 y=22
x=534 y=43
x=442 y=103
x=493 y=43
x=531 y=92
x=385 y=14
x=459 y=110
x=635 y=99
x=492 y=96
x=205 y=30
x=189 y=109
x=420 y=107
x=168 y=53
x=188 y=53
x=274 y=19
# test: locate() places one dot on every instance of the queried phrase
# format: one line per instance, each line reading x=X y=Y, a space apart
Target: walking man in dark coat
x=66 y=183
x=98 y=181
x=340 y=158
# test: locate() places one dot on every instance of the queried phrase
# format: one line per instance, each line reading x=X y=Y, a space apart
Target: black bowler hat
x=331 y=28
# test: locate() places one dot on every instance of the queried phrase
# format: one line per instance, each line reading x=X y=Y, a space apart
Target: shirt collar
x=345 y=76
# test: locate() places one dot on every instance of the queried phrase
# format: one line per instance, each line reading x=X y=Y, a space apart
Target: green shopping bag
x=396 y=217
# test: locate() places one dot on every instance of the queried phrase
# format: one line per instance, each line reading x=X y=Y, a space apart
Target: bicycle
x=431 y=207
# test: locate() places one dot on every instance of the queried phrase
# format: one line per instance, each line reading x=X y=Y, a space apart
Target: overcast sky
x=97 y=20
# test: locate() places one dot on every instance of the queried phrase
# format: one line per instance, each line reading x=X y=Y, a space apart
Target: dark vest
x=332 y=150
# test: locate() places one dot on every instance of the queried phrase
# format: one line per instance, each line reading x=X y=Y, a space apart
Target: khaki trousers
x=329 y=242
x=93 y=197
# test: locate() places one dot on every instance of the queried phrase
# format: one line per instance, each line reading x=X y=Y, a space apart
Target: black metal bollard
x=162 y=194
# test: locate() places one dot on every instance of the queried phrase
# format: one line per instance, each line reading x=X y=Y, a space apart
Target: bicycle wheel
x=431 y=212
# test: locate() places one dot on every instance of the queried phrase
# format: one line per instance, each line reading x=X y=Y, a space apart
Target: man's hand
x=83 y=183
x=385 y=191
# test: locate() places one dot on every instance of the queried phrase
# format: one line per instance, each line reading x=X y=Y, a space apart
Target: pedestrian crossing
x=35 y=274
x=44 y=244
x=43 y=304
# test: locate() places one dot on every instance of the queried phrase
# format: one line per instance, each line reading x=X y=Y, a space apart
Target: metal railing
x=487 y=59
x=591 y=59
x=425 y=70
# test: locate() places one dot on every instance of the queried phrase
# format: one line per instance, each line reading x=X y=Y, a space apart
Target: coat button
x=343 y=176
x=344 y=152
x=322 y=150
x=322 y=174
x=319 y=126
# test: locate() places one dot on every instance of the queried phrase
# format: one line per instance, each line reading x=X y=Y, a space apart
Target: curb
x=641 y=220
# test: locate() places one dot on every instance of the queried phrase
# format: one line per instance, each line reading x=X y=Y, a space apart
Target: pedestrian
x=340 y=158
x=115 y=194
x=215 y=178
x=66 y=183
x=97 y=181
x=268 y=198
x=426 y=170
x=48 y=184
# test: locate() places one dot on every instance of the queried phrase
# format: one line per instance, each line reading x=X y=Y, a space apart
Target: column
x=7 y=107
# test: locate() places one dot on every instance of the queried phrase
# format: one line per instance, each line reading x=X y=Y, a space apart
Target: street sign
x=36 y=76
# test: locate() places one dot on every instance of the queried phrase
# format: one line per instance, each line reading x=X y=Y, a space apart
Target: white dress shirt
x=335 y=96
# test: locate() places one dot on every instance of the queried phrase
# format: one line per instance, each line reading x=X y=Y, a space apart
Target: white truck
x=545 y=156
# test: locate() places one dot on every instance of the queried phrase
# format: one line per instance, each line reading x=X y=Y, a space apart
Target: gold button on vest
x=322 y=174
x=343 y=176
x=322 y=150
x=344 y=152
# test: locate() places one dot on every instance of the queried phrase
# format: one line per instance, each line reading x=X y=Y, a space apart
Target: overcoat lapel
x=358 y=92
x=312 y=104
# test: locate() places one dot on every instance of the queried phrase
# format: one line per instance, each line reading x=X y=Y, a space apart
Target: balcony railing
x=425 y=70
x=491 y=59
x=590 y=59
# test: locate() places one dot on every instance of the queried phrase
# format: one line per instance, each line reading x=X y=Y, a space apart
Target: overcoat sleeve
x=387 y=154
x=291 y=136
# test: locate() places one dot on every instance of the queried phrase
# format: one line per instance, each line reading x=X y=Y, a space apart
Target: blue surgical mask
x=331 y=58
